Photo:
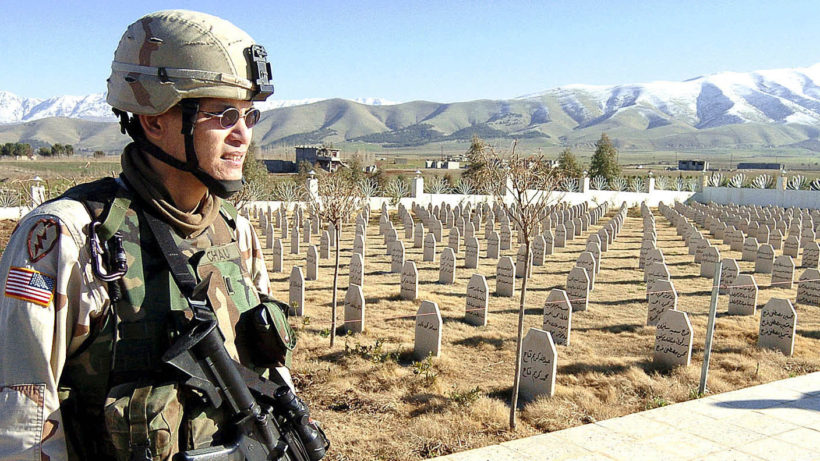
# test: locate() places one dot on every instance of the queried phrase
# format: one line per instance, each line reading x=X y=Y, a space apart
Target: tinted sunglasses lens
x=252 y=117
x=229 y=117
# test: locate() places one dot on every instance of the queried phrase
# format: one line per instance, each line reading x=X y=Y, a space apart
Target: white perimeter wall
x=762 y=197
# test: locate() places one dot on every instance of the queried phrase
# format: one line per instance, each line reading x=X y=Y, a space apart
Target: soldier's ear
x=158 y=127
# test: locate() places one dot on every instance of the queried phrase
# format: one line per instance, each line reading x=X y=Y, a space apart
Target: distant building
x=693 y=165
x=326 y=157
x=759 y=166
x=448 y=164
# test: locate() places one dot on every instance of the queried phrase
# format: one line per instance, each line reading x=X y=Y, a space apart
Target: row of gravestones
x=778 y=318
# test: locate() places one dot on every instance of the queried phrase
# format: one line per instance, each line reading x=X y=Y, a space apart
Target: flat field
x=377 y=403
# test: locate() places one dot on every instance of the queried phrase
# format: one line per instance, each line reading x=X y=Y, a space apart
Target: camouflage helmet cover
x=171 y=55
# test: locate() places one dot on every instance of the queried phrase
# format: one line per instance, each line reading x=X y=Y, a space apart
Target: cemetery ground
x=377 y=402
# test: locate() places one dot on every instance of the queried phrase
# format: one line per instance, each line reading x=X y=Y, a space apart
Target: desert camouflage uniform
x=52 y=304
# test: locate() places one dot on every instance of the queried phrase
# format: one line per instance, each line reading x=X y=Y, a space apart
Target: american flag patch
x=29 y=285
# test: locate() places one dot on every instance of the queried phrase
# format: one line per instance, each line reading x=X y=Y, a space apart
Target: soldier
x=91 y=298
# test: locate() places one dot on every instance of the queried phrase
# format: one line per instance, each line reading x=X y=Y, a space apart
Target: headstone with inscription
x=505 y=277
x=396 y=256
x=709 y=261
x=356 y=269
x=587 y=261
x=560 y=236
x=506 y=237
x=477 y=301
x=296 y=291
x=521 y=260
x=808 y=288
x=447 y=268
x=729 y=271
x=294 y=241
x=765 y=259
x=778 y=325
x=277 y=255
x=539 y=362
x=358 y=244
x=428 y=331
x=493 y=245
x=538 y=245
x=783 y=272
x=662 y=297
x=811 y=255
x=409 y=281
x=312 y=269
x=558 y=316
x=578 y=288
x=549 y=242
x=792 y=246
x=743 y=295
x=471 y=252
x=324 y=245
x=750 y=247
x=354 y=309
x=673 y=340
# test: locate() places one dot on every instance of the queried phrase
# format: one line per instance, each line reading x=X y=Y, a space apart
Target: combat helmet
x=175 y=57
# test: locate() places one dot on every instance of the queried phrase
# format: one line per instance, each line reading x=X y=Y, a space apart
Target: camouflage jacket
x=51 y=300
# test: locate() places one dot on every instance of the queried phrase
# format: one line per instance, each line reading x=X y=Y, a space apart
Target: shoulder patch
x=42 y=237
x=30 y=285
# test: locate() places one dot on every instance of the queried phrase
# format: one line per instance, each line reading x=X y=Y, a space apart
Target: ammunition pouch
x=272 y=333
x=143 y=421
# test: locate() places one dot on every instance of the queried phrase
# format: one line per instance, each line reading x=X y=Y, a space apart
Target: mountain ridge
x=767 y=108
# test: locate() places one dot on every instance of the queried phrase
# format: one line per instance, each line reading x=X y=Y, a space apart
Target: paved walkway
x=775 y=421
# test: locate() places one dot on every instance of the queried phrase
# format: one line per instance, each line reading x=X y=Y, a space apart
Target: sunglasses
x=231 y=115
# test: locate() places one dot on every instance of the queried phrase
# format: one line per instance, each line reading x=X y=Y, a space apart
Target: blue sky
x=431 y=50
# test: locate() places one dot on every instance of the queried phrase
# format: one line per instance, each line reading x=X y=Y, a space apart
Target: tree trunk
x=517 y=381
x=335 y=284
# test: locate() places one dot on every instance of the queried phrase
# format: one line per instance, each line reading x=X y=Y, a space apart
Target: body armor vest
x=124 y=350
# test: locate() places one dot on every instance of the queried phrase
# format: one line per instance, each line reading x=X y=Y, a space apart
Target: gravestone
x=646 y=245
x=471 y=253
x=356 y=270
x=312 y=263
x=409 y=281
x=521 y=260
x=306 y=232
x=428 y=331
x=396 y=256
x=595 y=249
x=429 y=253
x=811 y=255
x=578 y=288
x=558 y=316
x=505 y=237
x=776 y=239
x=454 y=240
x=603 y=234
x=778 y=324
x=277 y=255
x=418 y=236
x=728 y=273
x=294 y=241
x=765 y=259
x=505 y=277
x=296 y=291
x=783 y=272
x=587 y=261
x=408 y=228
x=743 y=295
x=652 y=257
x=493 y=243
x=749 y=249
x=662 y=297
x=549 y=242
x=358 y=244
x=354 y=309
x=657 y=271
x=673 y=340
x=469 y=230
x=538 y=245
x=447 y=268
x=570 y=231
x=792 y=246
x=560 y=236
x=477 y=301
x=808 y=288
x=283 y=221
x=324 y=245
x=269 y=232
x=709 y=261
x=539 y=362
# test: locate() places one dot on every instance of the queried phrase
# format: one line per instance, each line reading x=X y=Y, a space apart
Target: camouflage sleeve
x=251 y=250
x=47 y=304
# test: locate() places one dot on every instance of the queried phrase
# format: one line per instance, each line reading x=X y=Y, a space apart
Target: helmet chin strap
x=223 y=189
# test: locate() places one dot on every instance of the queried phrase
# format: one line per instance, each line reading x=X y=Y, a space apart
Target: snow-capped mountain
x=15 y=109
x=767 y=96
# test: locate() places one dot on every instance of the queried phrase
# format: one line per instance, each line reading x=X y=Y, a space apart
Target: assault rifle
x=271 y=422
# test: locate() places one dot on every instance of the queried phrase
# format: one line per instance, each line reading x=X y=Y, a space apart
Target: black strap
x=177 y=262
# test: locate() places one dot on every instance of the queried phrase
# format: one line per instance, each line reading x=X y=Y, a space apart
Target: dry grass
x=376 y=406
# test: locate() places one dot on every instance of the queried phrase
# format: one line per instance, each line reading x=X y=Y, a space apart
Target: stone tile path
x=775 y=421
